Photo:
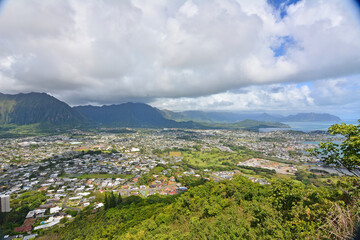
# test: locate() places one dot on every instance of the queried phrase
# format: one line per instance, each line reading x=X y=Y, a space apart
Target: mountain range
x=131 y=115
x=41 y=108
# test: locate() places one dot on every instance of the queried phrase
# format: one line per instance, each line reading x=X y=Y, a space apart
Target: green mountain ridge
x=27 y=112
x=32 y=108
x=145 y=116
x=131 y=115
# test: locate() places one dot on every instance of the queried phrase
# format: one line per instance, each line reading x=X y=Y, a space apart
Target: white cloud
x=336 y=96
x=189 y=9
x=274 y=97
x=109 y=51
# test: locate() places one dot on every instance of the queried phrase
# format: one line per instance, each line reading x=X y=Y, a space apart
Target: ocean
x=309 y=126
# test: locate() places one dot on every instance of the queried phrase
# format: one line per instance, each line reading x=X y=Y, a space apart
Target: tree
x=119 y=199
x=345 y=155
x=111 y=200
x=106 y=201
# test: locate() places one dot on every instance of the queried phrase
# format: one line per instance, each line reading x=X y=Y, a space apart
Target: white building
x=135 y=149
x=5 y=203
x=55 y=210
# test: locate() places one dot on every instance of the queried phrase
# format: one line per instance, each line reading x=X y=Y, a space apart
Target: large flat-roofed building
x=5 y=203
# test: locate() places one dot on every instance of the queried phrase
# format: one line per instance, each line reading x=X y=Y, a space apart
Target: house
x=55 y=210
x=23 y=229
x=36 y=212
x=29 y=222
x=99 y=205
x=49 y=223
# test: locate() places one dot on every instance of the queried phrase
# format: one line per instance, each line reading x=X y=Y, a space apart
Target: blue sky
x=281 y=6
x=229 y=55
x=283 y=44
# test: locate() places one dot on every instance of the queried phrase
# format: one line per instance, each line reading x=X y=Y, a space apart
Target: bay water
x=309 y=126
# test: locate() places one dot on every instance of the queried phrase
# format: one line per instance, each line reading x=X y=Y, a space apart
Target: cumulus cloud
x=336 y=96
x=277 y=97
x=111 y=51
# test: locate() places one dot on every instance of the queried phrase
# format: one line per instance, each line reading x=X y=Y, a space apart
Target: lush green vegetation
x=31 y=130
x=237 y=209
x=215 y=160
x=15 y=131
x=211 y=158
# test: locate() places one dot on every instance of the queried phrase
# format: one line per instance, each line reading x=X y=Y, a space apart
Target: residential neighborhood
x=72 y=172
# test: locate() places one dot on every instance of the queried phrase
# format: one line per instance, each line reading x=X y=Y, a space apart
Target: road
x=217 y=178
x=67 y=207
x=128 y=180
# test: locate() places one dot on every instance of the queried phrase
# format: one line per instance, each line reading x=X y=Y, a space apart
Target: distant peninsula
x=231 y=117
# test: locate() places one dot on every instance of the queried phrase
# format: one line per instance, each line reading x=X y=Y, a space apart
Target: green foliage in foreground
x=345 y=155
x=237 y=209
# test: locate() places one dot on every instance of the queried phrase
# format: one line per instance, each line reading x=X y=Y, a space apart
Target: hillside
x=32 y=108
x=131 y=115
x=236 y=209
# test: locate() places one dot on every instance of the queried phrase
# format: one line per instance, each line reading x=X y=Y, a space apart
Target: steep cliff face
x=30 y=108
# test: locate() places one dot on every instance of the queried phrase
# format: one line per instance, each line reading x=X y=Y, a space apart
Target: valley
x=71 y=172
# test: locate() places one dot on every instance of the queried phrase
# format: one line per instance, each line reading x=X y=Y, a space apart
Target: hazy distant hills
x=311 y=117
x=43 y=109
x=230 y=117
x=31 y=108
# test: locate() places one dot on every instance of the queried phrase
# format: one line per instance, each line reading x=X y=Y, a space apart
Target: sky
x=275 y=56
